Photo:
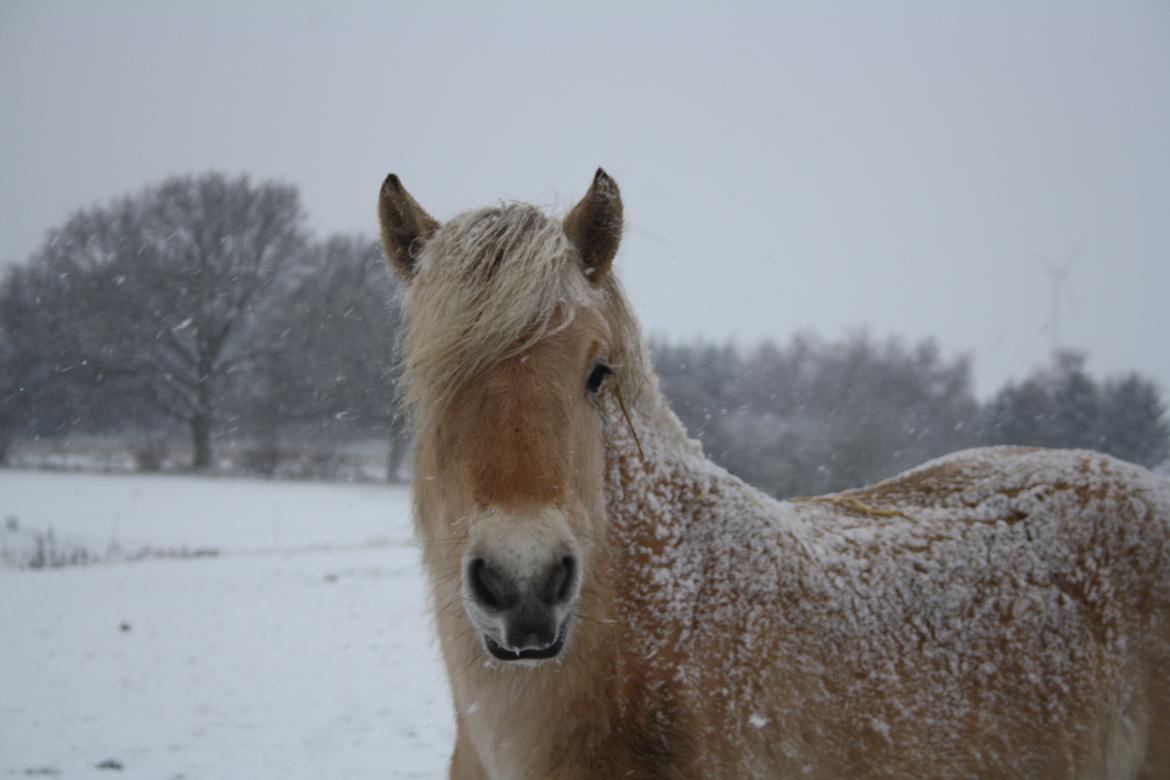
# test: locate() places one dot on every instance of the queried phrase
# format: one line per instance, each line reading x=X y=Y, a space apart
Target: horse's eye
x=596 y=377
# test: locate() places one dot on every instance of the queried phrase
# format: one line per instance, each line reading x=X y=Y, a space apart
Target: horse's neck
x=669 y=511
x=663 y=500
x=652 y=467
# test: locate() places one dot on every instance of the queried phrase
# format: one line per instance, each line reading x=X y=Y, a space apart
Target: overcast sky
x=904 y=167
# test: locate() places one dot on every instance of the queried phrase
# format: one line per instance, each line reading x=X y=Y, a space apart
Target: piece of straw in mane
x=489 y=285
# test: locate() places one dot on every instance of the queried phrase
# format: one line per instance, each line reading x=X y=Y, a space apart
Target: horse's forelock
x=490 y=284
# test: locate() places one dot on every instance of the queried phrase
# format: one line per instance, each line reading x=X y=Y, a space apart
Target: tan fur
x=1000 y=613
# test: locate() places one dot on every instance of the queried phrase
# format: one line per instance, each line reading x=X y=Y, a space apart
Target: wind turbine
x=1058 y=274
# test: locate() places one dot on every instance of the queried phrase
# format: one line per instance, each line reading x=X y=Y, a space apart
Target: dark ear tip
x=391 y=184
x=603 y=183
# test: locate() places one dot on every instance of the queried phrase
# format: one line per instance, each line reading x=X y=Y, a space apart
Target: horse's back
x=1074 y=510
x=1009 y=605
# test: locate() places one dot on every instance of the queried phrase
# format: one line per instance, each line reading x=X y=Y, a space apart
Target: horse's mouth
x=502 y=653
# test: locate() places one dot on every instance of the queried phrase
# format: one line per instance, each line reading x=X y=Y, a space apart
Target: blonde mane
x=490 y=284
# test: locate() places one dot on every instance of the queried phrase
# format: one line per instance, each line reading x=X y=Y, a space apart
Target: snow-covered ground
x=303 y=650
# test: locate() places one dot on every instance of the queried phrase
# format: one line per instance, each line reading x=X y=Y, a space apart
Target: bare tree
x=46 y=384
x=333 y=346
x=162 y=288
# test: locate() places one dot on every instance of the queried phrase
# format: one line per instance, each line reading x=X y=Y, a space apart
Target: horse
x=609 y=603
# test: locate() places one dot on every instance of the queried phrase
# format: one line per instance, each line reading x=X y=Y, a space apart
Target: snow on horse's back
x=609 y=603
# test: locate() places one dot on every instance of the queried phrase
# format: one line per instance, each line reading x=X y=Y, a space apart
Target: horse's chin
x=529 y=656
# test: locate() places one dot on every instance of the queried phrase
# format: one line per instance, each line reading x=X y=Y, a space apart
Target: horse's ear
x=405 y=226
x=595 y=226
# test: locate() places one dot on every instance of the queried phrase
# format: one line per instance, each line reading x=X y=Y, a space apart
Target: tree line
x=817 y=416
x=203 y=306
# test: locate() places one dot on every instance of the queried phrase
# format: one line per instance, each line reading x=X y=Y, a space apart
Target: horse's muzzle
x=522 y=615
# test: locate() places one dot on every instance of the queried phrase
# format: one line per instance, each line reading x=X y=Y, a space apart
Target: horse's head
x=509 y=347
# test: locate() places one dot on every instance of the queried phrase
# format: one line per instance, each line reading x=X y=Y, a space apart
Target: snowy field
x=303 y=649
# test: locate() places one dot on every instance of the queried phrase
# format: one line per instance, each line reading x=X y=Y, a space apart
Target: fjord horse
x=610 y=604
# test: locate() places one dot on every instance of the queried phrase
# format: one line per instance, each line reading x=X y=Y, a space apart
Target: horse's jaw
x=519 y=714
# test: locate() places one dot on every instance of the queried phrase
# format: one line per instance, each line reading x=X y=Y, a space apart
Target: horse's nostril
x=569 y=564
x=561 y=580
x=484 y=585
